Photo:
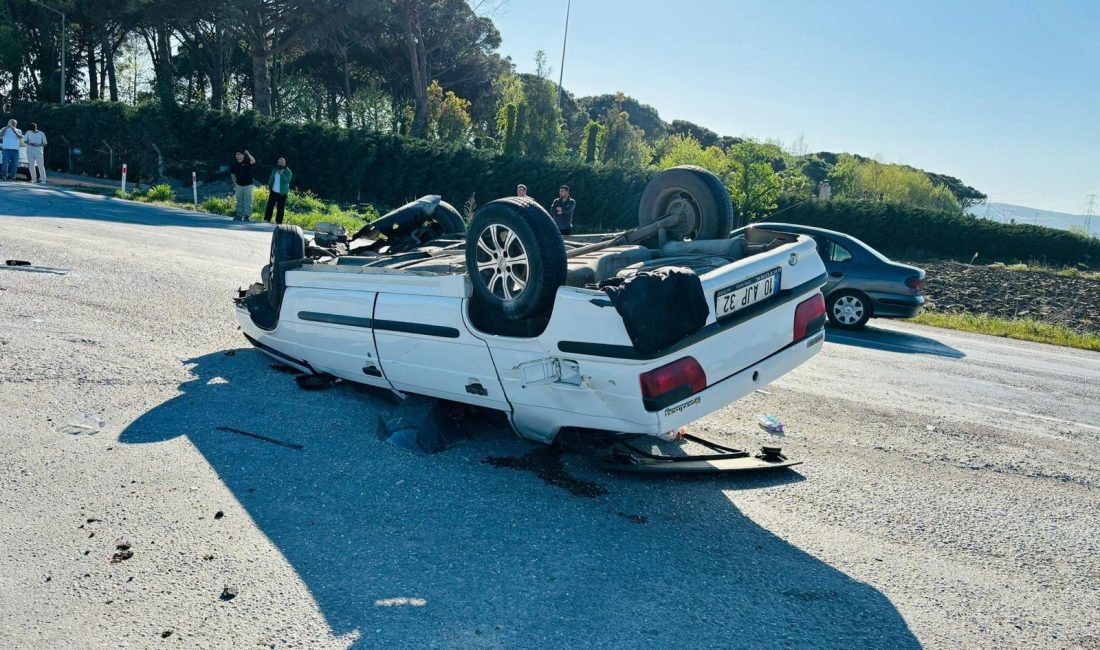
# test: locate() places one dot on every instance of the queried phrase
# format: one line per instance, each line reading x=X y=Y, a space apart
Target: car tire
x=449 y=218
x=288 y=246
x=848 y=309
x=502 y=233
x=693 y=192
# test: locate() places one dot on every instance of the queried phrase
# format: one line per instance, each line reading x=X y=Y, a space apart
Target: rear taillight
x=916 y=283
x=672 y=382
x=809 y=316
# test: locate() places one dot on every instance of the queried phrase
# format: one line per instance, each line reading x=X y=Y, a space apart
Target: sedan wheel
x=849 y=310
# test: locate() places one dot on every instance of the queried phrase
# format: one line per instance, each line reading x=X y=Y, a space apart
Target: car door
x=425 y=348
x=331 y=329
x=838 y=262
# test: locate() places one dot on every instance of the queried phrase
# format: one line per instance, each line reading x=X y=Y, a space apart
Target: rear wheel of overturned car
x=848 y=309
x=696 y=196
x=515 y=258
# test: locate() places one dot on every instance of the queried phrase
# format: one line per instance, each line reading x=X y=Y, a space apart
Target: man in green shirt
x=279 y=186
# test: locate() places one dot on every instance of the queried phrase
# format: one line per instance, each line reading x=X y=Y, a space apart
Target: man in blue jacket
x=279 y=185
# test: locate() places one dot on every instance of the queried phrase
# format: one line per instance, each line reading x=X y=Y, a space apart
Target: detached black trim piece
x=336 y=319
x=417 y=328
x=386 y=325
x=628 y=351
x=285 y=357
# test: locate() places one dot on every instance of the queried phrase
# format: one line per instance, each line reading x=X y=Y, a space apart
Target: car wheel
x=515 y=258
x=849 y=309
x=697 y=195
x=288 y=244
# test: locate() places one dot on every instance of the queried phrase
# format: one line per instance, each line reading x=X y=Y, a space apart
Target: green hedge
x=906 y=231
x=337 y=164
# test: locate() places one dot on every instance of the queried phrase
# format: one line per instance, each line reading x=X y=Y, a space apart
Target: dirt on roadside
x=1070 y=301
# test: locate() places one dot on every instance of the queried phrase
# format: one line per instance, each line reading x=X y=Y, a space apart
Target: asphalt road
x=948 y=497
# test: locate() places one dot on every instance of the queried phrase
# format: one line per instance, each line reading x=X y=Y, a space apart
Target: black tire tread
x=548 y=263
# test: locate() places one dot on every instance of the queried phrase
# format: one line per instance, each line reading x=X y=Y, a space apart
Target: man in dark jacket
x=562 y=211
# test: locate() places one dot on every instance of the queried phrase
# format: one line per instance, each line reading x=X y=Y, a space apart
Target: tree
x=686 y=150
x=267 y=28
x=642 y=115
x=448 y=116
x=590 y=144
x=754 y=185
x=438 y=37
x=702 y=134
x=623 y=144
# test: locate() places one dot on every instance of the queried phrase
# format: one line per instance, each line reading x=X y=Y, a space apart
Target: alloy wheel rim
x=502 y=261
x=848 y=310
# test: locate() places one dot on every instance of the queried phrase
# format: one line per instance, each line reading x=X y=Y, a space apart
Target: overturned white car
x=638 y=334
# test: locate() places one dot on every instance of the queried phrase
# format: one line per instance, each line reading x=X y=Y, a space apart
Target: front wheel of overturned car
x=848 y=309
x=515 y=258
x=288 y=245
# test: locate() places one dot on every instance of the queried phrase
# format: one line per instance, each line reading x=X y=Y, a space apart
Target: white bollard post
x=195 y=188
x=123 y=180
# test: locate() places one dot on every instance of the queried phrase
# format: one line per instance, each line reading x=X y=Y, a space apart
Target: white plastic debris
x=86 y=424
x=771 y=424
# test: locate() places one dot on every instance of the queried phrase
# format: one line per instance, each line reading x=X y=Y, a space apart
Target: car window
x=838 y=253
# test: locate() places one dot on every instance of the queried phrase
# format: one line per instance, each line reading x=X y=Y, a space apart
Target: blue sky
x=1005 y=95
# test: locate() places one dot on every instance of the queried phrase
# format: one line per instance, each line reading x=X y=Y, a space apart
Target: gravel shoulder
x=948 y=498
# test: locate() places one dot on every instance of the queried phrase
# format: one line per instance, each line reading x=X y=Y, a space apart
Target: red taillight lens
x=809 y=316
x=916 y=282
x=682 y=377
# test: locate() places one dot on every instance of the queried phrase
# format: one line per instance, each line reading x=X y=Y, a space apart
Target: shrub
x=162 y=193
x=224 y=205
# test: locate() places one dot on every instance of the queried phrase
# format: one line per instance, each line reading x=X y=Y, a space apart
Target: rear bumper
x=732 y=388
x=896 y=306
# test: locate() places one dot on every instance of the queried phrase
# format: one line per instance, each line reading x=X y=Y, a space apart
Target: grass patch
x=1020 y=328
x=1068 y=272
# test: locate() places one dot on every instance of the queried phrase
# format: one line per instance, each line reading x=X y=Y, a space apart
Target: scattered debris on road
x=421 y=424
x=545 y=462
x=771 y=424
x=23 y=265
x=257 y=436
x=319 y=381
x=122 y=552
x=228 y=593
x=84 y=424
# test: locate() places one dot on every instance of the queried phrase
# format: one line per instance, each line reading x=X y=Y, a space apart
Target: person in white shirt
x=36 y=153
x=9 y=161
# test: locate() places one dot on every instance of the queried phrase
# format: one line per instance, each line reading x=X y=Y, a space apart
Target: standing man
x=9 y=161
x=241 y=171
x=562 y=211
x=279 y=184
x=36 y=153
x=521 y=191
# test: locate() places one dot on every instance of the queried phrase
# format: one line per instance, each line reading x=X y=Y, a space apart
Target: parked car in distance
x=863 y=283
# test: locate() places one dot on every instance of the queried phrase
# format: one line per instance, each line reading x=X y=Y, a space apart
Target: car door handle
x=836 y=274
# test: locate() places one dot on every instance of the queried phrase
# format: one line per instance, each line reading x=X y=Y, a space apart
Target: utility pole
x=1089 y=211
x=62 y=14
x=564 y=40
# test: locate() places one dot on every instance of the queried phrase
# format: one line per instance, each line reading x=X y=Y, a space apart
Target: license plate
x=745 y=293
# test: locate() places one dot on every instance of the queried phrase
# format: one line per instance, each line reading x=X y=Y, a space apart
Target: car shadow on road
x=874 y=338
x=450 y=550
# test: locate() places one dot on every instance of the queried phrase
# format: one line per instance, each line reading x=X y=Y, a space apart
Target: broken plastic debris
x=762 y=391
x=673 y=436
x=771 y=424
x=84 y=424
